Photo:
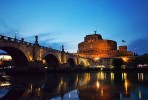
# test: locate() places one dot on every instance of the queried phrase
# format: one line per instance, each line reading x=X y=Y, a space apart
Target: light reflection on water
x=82 y=86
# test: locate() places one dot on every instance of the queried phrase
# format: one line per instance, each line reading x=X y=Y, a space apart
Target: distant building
x=96 y=47
x=5 y=57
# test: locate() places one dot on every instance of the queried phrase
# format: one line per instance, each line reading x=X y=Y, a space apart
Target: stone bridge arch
x=52 y=60
x=71 y=62
x=19 y=53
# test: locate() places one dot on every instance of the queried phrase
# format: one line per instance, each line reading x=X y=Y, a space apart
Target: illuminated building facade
x=96 y=47
x=5 y=57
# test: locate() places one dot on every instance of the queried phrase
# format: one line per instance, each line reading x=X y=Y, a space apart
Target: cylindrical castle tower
x=95 y=42
x=96 y=47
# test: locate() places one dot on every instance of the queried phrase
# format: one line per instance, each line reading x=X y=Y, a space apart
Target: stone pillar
x=32 y=68
x=36 y=65
x=36 y=52
x=62 y=54
x=36 y=49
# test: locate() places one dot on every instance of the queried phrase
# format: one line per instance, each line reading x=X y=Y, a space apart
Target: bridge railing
x=27 y=43
x=6 y=38
x=15 y=40
x=50 y=49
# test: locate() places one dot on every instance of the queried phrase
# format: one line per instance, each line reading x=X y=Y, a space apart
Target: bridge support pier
x=36 y=65
x=33 y=67
x=63 y=66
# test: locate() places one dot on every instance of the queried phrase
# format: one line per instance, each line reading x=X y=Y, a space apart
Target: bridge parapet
x=14 y=40
x=49 y=49
x=2 y=37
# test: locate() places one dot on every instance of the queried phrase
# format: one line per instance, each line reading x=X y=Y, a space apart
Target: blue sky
x=66 y=22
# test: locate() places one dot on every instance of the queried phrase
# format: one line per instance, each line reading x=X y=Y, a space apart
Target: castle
x=96 y=47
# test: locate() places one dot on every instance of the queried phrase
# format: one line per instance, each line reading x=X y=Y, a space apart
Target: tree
x=117 y=63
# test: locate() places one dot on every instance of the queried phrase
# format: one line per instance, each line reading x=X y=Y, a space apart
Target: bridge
x=28 y=55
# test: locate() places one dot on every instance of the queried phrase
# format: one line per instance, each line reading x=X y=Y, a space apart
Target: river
x=76 y=86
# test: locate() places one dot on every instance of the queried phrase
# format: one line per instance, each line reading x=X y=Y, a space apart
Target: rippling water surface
x=76 y=86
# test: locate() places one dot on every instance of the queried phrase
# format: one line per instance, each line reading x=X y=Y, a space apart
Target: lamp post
x=15 y=34
x=136 y=51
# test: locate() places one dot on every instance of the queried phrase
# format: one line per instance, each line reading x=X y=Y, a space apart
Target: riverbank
x=95 y=70
x=68 y=70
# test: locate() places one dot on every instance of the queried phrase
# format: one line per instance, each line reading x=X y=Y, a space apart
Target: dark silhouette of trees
x=117 y=63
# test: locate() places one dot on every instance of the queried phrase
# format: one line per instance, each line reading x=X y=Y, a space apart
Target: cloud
x=56 y=44
x=47 y=39
x=6 y=29
x=140 y=46
x=41 y=37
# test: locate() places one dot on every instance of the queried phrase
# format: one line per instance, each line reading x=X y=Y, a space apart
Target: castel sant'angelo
x=96 y=47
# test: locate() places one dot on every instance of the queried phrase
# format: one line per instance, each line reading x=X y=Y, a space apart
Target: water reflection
x=140 y=76
x=83 y=86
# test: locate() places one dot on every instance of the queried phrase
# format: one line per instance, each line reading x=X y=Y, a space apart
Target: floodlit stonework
x=96 y=47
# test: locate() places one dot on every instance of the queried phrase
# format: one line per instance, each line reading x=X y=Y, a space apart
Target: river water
x=76 y=86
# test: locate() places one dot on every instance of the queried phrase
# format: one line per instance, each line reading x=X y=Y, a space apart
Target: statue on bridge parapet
x=63 y=48
x=22 y=40
x=36 y=40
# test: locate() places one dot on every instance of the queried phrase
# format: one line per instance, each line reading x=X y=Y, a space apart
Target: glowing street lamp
x=15 y=34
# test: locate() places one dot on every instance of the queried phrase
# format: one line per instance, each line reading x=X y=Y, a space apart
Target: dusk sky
x=66 y=22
